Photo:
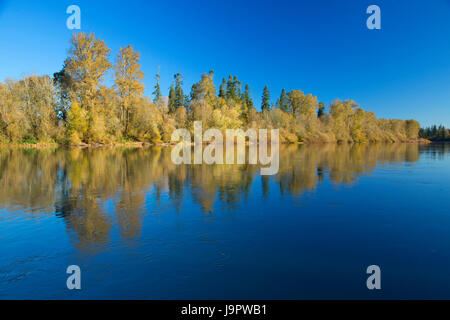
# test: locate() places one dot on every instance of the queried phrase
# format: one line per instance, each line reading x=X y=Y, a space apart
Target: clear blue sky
x=319 y=46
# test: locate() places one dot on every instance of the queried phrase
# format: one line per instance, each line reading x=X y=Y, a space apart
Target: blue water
x=141 y=227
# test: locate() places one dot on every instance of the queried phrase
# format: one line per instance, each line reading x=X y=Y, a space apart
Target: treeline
x=76 y=106
x=435 y=133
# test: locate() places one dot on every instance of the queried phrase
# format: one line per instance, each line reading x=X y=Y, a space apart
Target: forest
x=435 y=133
x=76 y=106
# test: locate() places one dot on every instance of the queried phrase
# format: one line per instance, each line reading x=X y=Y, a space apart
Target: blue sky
x=322 y=47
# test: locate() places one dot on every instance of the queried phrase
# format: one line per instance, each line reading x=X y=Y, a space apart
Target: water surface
x=141 y=227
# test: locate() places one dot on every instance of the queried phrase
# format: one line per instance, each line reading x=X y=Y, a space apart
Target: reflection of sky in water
x=141 y=227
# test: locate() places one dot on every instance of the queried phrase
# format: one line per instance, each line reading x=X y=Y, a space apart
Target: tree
x=63 y=84
x=265 y=104
x=204 y=90
x=157 y=93
x=321 y=110
x=87 y=65
x=412 y=129
x=128 y=84
x=283 y=101
x=172 y=104
x=302 y=104
x=38 y=96
x=223 y=89
x=180 y=97
x=341 y=119
x=78 y=123
x=247 y=98
x=233 y=88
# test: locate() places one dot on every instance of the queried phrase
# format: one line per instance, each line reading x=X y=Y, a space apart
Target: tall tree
x=247 y=98
x=265 y=103
x=157 y=92
x=283 y=101
x=204 y=90
x=63 y=85
x=321 y=110
x=172 y=104
x=128 y=84
x=180 y=97
x=86 y=66
x=223 y=89
x=233 y=88
x=299 y=103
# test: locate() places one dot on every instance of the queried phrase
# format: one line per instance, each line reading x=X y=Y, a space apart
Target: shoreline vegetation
x=77 y=107
x=138 y=144
x=435 y=134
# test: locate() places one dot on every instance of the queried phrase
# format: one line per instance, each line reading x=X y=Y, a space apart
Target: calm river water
x=141 y=227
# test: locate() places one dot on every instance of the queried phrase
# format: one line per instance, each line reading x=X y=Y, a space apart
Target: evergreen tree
x=265 y=104
x=233 y=88
x=283 y=101
x=441 y=133
x=231 y=92
x=434 y=131
x=237 y=85
x=157 y=93
x=172 y=104
x=223 y=89
x=321 y=110
x=180 y=97
x=246 y=97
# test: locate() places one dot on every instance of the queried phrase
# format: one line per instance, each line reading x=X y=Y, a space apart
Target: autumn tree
x=299 y=103
x=413 y=127
x=128 y=84
x=38 y=102
x=86 y=66
x=204 y=90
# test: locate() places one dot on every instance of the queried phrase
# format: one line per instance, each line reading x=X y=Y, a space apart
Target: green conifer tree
x=157 y=93
x=265 y=104
x=172 y=99
x=283 y=101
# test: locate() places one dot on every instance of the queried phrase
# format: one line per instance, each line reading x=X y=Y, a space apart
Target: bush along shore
x=76 y=107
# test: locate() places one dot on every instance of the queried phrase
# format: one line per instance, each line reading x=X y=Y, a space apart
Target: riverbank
x=137 y=144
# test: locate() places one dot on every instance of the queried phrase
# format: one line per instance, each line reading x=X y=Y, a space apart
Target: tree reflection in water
x=95 y=189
